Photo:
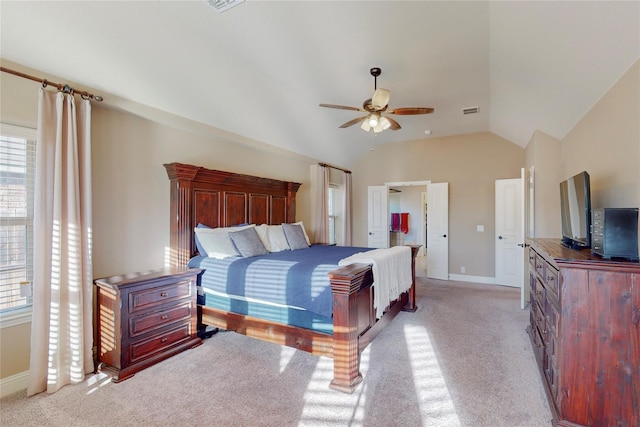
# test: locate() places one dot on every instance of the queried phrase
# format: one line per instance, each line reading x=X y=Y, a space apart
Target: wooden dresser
x=143 y=318
x=585 y=332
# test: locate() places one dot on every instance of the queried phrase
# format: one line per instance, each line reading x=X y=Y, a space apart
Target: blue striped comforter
x=292 y=278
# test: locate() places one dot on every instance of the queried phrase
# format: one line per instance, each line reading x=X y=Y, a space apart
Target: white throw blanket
x=391 y=273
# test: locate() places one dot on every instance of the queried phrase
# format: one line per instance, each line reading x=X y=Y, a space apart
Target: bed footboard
x=352 y=316
x=354 y=320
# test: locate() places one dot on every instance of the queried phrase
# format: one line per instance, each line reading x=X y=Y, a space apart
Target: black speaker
x=615 y=233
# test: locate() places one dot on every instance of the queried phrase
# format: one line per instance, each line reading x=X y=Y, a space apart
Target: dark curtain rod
x=59 y=86
x=334 y=167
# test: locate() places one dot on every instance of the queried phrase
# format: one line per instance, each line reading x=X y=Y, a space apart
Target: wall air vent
x=470 y=110
x=223 y=5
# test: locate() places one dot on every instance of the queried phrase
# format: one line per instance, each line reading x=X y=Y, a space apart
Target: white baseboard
x=14 y=383
x=475 y=279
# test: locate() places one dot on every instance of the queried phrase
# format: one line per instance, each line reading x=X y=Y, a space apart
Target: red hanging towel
x=404 y=222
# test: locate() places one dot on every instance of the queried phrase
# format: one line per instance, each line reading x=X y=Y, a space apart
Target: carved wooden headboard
x=222 y=199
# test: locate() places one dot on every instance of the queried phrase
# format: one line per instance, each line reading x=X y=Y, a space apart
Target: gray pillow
x=295 y=236
x=247 y=242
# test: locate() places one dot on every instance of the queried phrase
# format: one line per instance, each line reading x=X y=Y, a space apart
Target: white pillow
x=306 y=236
x=216 y=241
x=263 y=233
x=277 y=239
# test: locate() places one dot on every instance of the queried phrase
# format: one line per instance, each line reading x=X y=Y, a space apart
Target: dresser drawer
x=551 y=375
x=536 y=338
x=140 y=300
x=532 y=259
x=539 y=293
x=538 y=318
x=551 y=278
x=539 y=265
x=148 y=322
x=552 y=315
x=158 y=343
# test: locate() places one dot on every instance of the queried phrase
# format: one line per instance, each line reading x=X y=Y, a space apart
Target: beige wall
x=605 y=143
x=543 y=154
x=470 y=164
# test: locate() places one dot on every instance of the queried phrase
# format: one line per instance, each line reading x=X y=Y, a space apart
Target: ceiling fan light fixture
x=365 y=125
x=385 y=123
x=373 y=119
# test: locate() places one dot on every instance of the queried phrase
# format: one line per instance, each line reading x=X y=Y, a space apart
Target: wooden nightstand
x=143 y=318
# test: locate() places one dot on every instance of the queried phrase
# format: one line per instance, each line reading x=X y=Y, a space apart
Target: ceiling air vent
x=470 y=110
x=222 y=5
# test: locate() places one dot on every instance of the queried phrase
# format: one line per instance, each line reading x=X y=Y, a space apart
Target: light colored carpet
x=463 y=359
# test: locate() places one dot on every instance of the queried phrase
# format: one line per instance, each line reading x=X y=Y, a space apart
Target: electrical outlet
x=463 y=270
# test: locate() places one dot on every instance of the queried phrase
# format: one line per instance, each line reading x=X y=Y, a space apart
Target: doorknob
x=500 y=237
x=444 y=235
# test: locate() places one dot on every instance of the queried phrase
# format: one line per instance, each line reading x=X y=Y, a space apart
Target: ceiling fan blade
x=353 y=122
x=341 y=107
x=411 y=111
x=394 y=125
x=380 y=98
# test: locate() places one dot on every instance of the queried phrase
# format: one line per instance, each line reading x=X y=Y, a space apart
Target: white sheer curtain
x=321 y=222
x=346 y=203
x=61 y=328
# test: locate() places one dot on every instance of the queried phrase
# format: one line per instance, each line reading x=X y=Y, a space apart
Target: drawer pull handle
x=164 y=339
x=163 y=294
x=164 y=317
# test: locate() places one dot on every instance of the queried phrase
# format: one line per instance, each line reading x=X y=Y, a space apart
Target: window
x=335 y=214
x=332 y=214
x=17 y=168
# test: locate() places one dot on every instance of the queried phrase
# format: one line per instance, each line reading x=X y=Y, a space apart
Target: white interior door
x=423 y=203
x=438 y=230
x=378 y=217
x=509 y=248
x=527 y=218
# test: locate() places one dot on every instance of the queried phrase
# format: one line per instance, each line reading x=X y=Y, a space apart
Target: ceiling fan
x=375 y=106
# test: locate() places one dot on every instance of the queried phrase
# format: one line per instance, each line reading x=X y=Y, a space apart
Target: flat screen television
x=575 y=207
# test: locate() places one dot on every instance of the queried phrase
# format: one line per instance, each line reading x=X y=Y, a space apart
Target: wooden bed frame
x=223 y=199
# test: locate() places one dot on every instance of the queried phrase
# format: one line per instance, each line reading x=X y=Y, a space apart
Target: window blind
x=17 y=168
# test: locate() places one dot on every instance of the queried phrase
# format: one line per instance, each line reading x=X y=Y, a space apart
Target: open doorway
x=407 y=211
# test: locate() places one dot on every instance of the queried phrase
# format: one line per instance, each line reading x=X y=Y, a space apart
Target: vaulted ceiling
x=259 y=70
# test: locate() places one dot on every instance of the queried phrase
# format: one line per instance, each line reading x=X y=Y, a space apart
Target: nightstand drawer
x=139 y=300
x=158 y=343
x=142 y=324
